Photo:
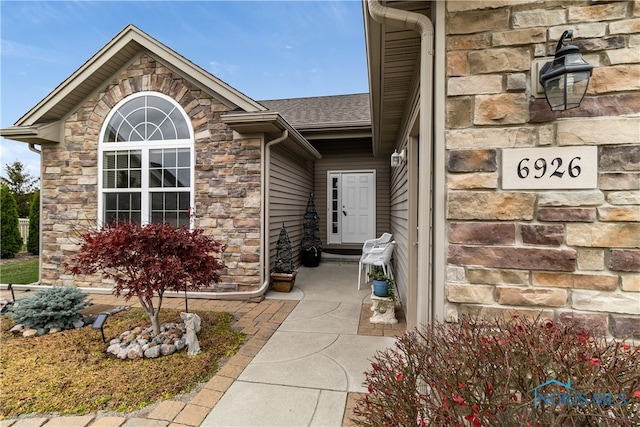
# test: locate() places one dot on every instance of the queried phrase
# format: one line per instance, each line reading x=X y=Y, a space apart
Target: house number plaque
x=550 y=168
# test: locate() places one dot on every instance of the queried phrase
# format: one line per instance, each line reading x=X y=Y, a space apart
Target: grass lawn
x=70 y=372
x=21 y=272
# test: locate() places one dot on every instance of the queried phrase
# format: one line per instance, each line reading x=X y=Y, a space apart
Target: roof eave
x=271 y=124
x=39 y=134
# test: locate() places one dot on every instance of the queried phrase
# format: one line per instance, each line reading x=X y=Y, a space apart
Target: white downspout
x=422 y=24
x=264 y=255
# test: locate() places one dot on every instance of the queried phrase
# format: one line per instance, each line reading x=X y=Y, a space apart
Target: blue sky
x=265 y=49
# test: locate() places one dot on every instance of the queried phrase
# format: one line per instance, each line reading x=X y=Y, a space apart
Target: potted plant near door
x=311 y=246
x=382 y=285
x=283 y=275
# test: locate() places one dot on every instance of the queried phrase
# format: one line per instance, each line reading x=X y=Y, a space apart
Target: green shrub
x=56 y=307
x=10 y=238
x=517 y=372
x=33 y=242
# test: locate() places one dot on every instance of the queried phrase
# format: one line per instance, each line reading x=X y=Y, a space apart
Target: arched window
x=146 y=162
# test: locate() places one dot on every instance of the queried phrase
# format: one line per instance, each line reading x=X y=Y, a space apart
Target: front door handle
x=344 y=213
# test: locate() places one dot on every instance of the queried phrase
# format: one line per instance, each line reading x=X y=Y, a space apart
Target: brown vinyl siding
x=399 y=222
x=352 y=162
x=291 y=182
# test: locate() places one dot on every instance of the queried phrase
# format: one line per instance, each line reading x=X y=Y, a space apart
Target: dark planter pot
x=381 y=288
x=311 y=257
x=283 y=282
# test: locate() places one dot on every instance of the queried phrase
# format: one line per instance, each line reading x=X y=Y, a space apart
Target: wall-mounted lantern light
x=397 y=158
x=566 y=78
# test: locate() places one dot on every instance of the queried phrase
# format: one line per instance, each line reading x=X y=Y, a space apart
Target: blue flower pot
x=381 y=288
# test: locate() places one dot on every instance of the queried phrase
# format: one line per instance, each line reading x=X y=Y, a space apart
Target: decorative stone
x=620 y=158
x=54 y=330
x=604 y=235
x=567 y=214
x=459 y=112
x=504 y=108
x=598 y=12
x=472 y=161
x=470 y=181
x=623 y=327
x=468 y=42
x=630 y=282
x=601 y=282
x=624 y=198
x=122 y=354
x=482 y=233
x=134 y=352
x=625 y=302
x=497 y=277
x=596 y=323
x=478 y=294
x=29 y=333
x=491 y=312
x=474 y=85
x=542 y=234
x=600 y=131
x=625 y=260
x=571 y=198
x=514 y=258
x=491 y=137
x=538 y=18
x=152 y=352
x=114 y=349
x=591 y=259
x=529 y=297
x=619 y=214
x=17 y=329
x=482 y=205
x=167 y=349
x=78 y=324
x=614 y=105
x=619 y=180
x=519 y=37
x=478 y=21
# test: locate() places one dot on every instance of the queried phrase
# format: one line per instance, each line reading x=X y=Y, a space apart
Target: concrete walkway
x=302 y=365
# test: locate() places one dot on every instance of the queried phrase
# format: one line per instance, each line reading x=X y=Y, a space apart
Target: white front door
x=352 y=206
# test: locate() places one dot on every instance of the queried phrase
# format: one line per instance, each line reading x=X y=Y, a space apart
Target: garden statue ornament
x=192 y=325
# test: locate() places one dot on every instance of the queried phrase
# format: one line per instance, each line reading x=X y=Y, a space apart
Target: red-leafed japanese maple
x=149 y=260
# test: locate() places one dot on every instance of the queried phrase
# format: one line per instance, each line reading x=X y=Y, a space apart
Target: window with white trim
x=146 y=162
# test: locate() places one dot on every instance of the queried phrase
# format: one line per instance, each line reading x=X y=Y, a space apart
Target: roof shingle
x=322 y=109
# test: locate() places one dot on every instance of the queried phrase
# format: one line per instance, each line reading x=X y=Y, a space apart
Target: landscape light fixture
x=99 y=324
x=397 y=158
x=566 y=78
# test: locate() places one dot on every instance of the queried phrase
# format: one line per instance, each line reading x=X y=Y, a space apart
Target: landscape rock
x=167 y=349
x=17 y=329
x=135 y=352
x=29 y=332
x=152 y=352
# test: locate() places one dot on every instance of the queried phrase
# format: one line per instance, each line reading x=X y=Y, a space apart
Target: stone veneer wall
x=563 y=253
x=227 y=176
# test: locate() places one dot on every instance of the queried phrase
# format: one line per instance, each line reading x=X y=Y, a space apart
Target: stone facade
x=566 y=253
x=227 y=176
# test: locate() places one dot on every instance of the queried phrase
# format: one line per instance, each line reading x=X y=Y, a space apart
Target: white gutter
x=421 y=24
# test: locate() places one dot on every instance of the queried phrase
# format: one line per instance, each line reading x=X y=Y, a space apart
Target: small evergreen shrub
x=516 y=372
x=33 y=242
x=10 y=237
x=56 y=307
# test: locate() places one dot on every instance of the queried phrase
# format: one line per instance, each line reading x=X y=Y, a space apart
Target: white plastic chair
x=376 y=252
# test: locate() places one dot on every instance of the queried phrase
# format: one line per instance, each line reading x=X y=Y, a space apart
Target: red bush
x=149 y=260
x=516 y=372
